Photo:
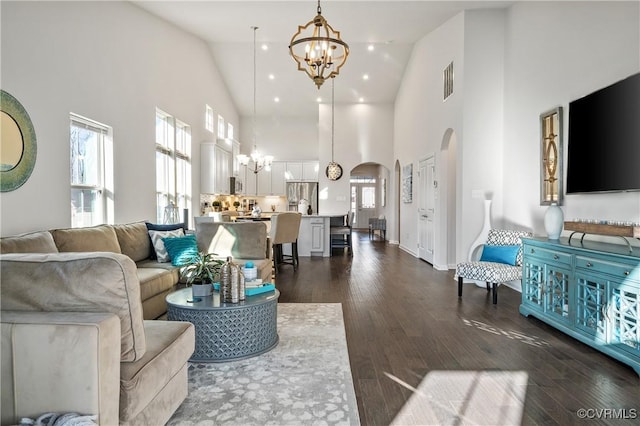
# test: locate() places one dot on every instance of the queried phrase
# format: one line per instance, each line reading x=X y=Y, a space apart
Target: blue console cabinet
x=588 y=290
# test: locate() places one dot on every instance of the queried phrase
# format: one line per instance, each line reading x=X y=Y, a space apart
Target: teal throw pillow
x=500 y=254
x=181 y=249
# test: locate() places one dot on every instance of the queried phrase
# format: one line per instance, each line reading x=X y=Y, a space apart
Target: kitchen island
x=314 y=236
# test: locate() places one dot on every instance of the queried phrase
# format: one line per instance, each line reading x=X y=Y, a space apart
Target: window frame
x=103 y=186
x=173 y=180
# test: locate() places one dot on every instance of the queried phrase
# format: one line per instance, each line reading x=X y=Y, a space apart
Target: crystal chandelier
x=318 y=50
x=334 y=170
x=259 y=161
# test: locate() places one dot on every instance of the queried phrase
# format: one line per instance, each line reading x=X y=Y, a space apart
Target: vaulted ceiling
x=380 y=34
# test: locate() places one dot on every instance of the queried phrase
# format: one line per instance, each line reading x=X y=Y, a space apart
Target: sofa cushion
x=170 y=344
x=134 y=240
x=157 y=239
x=95 y=238
x=162 y=227
x=77 y=282
x=155 y=281
x=33 y=242
x=241 y=240
x=182 y=250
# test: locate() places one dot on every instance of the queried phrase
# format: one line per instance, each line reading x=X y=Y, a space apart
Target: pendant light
x=260 y=161
x=334 y=170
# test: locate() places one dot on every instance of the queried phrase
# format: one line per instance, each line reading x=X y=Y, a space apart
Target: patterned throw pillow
x=158 y=244
x=181 y=249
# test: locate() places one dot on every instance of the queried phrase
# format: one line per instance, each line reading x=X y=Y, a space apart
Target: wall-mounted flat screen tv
x=604 y=139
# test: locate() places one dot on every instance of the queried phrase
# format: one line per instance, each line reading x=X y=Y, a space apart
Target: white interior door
x=426 y=208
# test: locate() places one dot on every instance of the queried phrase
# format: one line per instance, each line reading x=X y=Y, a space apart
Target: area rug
x=305 y=380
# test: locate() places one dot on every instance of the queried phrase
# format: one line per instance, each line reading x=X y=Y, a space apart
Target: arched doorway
x=448 y=199
x=368 y=193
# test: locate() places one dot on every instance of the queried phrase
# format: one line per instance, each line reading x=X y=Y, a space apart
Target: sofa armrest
x=77 y=282
x=59 y=362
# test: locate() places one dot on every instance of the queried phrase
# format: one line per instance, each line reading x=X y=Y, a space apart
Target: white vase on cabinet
x=553 y=221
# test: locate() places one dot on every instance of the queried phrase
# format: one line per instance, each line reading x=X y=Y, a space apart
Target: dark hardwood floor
x=403 y=318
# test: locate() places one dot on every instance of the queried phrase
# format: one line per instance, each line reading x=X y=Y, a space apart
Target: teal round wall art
x=17 y=143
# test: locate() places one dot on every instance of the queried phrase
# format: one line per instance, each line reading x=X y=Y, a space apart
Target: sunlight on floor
x=510 y=334
x=465 y=398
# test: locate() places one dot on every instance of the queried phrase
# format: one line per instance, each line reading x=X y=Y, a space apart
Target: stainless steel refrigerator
x=297 y=191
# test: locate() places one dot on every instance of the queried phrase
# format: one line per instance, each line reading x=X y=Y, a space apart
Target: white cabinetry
x=317 y=235
x=235 y=151
x=310 y=171
x=264 y=182
x=215 y=168
x=277 y=178
x=300 y=171
x=294 y=171
x=250 y=182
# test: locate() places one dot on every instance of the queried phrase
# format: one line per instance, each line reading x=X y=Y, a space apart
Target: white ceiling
x=391 y=26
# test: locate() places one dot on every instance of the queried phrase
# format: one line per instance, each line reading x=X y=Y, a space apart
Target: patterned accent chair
x=494 y=273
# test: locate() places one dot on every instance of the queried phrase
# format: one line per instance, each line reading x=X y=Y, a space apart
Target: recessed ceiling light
x=365 y=77
x=271 y=76
x=371 y=48
x=361 y=100
x=265 y=47
x=318 y=99
x=276 y=99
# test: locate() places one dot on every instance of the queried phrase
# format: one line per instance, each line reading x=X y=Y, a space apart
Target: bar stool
x=285 y=228
x=340 y=236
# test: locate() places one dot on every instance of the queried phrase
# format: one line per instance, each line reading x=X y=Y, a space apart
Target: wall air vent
x=447 y=80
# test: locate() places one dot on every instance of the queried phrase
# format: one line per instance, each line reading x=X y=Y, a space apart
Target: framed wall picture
x=407 y=183
x=17 y=143
x=551 y=157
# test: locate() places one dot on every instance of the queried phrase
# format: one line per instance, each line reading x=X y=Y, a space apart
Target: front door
x=426 y=208
x=363 y=203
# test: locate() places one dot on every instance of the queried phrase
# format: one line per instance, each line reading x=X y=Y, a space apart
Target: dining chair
x=285 y=228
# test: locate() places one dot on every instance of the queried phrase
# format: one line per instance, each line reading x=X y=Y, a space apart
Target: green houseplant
x=201 y=272
x=236 y=204
x=217 y=205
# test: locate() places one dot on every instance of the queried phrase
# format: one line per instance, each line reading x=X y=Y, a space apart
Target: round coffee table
x=227 y=331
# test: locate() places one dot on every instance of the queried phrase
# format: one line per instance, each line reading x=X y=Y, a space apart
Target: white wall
x=114 y=63
x=510 y=66
x=286 y=138
x=421 y=118
x=557 y=52
x=363 y=134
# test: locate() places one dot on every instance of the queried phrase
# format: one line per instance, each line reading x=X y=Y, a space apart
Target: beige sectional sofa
x=156 y=279
x=73 y=339
x=76 y=330
x=243 y=241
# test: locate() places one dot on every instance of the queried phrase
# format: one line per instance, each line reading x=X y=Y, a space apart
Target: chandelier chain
x=332 y=117
x=254 y=87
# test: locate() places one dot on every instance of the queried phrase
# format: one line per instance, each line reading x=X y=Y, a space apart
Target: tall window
x=173 y=167
x=208 y=118
x=230 y=134
x=221 y=132
x=91 y=172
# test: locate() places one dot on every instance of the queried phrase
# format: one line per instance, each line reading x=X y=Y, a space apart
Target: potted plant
x=201 y=273
x=236 y=204
x=216 y=205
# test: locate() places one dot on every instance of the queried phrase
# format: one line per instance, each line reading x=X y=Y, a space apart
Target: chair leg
x=495 y=293
x=276 y=257
x=488 y=288
x=459 y=286
x=294 y=255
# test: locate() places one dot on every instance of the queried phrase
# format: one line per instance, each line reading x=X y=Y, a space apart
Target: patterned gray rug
x=305 y=380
